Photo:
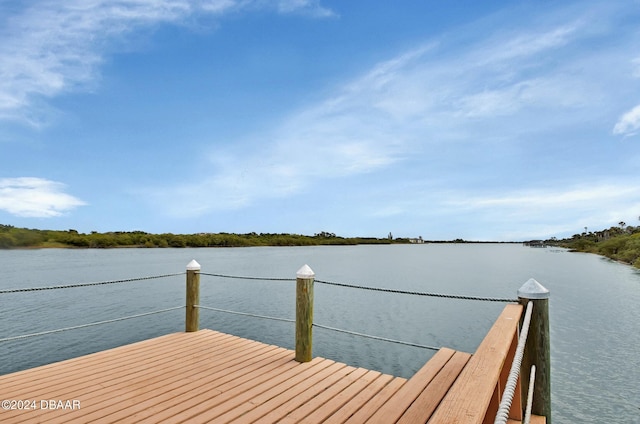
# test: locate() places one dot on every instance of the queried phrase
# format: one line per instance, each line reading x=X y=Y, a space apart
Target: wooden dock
x=207 y=376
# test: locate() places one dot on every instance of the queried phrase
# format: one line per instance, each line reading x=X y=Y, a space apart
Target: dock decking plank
x=74 y=372
x=354 y=405
x=234 y=383
x=186 y=381
x=304 y=397
x=189 y=395
x=432 y=395
x=325 y=396
x=392 y=410
x=315 y=394
x=118 y=387
x=341 y=399
x=207 y=376
x=22 y=377
x=272 y=384
x=474 y=389
x=275 y=397
x=375 y=403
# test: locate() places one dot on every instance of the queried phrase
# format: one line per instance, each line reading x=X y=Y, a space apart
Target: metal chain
x=244 y=313
x=319 y=326
x=353 y=286
x=375 y=337
x=414 y=293
x=70 y=286
x=246 y=278
x=42 y=333
x=487 y=299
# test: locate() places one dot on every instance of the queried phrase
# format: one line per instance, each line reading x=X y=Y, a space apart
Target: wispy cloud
x=629 y=123
x=554 y=198
x=309 y=7
x=35 y=197
x=550 y=211
x=419 y=102
x=465 y=108
x=51 y=47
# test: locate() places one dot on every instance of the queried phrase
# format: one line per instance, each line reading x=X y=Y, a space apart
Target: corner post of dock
x=538 y=348
x=192 y=321
x=304 y=313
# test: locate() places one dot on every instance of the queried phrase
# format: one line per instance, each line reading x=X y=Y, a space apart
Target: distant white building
x=416 y=240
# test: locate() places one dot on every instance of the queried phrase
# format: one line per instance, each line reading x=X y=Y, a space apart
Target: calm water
x=594 y=308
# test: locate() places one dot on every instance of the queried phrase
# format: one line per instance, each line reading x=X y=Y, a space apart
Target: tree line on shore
x=12 y=237
x=620 y=243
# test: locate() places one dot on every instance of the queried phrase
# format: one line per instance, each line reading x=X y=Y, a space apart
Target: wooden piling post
x=304 y=314
x=192 y=321
x=538 y=348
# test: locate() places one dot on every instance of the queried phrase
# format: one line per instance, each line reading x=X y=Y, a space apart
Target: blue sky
x=496 y=120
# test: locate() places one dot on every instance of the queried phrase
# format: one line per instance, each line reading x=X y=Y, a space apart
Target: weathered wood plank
x=304 y=314
x=538 y=353
x=192 y=313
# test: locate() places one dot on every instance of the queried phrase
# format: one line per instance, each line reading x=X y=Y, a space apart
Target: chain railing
x=70 y=286
x=304 y=321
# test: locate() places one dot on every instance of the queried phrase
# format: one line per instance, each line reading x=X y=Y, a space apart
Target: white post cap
x=193 y=266
x=533 y=290
x=305 y=272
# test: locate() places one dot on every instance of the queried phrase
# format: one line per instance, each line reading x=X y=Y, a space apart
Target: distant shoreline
x=72 y=247
x=24 y=238
x=621 y=244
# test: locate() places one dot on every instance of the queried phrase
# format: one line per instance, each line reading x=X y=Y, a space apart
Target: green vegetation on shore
x=12 y=237
x=621 y=243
